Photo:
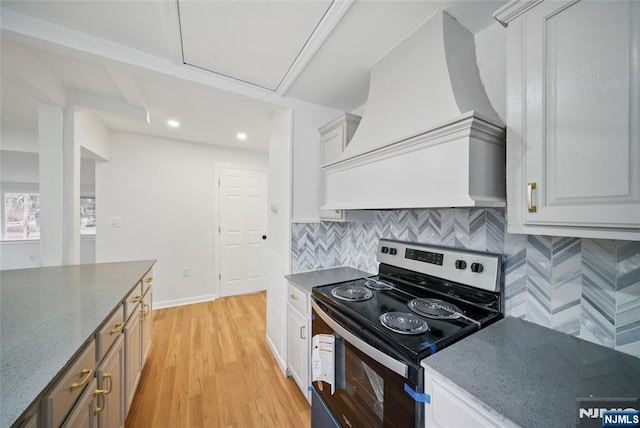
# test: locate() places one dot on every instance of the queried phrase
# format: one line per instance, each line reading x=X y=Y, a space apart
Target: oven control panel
x=474 y=268
x=424 y=256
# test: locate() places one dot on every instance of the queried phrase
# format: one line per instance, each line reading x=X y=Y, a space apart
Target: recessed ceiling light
x=173 y=123
x=241 y=136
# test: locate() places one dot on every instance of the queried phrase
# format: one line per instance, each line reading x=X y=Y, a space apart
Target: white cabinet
x=451 y=406
x=298 y=338
x=335 y=136
x=573 y=103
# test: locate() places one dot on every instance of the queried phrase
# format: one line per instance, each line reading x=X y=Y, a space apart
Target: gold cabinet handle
x=136 y=299
x=117 y=328
x=87 y=374
x=302 y=336
x=148 y=280
x=293 y=296
x=530 y=188
x=108 y=376
x=145 y=309
x=99 y=393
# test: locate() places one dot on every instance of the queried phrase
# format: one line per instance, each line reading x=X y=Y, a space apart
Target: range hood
x=429 y=136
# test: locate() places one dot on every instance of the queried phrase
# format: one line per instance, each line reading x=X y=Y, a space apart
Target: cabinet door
x=85 y=412
x=110 y=380
x=147 y=324
x=59 y=400
x=331 y=146
x=451 y=406
x=297 y=348
x=133 y=361
x=581 y=108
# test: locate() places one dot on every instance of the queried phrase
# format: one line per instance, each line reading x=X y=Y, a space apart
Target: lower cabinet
x=72 y=384
x=147 y=323
x=451 y=406
x=86 y=411
x=110 y=377
x=132 y=352
x=97 y=388
x=299 y=339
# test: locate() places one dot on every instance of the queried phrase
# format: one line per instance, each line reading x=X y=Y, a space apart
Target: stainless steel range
x=424 y=299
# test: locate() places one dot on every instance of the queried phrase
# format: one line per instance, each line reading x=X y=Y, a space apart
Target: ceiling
x=218 y=67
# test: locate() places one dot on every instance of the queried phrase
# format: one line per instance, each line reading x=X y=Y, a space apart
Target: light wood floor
x=209 y=366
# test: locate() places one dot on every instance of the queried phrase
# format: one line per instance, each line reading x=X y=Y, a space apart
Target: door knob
x=264 y=236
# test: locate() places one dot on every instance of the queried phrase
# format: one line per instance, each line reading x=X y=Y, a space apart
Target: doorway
x=242 y=230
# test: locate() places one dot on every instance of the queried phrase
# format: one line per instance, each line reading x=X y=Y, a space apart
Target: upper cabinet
x=334 y=137
x=573 y=113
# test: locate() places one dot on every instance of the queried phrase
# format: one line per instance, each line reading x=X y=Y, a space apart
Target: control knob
x=384 y=250
x=393 y=251
x=461 y=264
x=476 y=267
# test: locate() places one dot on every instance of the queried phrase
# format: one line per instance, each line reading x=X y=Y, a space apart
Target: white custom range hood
x=429 y=136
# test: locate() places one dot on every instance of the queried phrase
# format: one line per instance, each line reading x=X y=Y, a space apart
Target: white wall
x=279 y=242
x=26 y=253
x=92 y=135
x=164 y=192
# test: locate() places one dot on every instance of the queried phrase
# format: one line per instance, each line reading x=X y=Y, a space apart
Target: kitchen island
x=47 y=316
x=521 y=373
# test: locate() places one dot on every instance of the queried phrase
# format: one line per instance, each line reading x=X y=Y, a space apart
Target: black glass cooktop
x=440 y=333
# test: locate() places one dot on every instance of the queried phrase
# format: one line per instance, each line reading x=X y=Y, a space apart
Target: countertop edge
x=315 y=278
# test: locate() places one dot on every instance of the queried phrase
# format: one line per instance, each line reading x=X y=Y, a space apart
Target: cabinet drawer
x=298 y=298
x=66 y=391
x=133 y=298
x=147 y=281
x=109 y=332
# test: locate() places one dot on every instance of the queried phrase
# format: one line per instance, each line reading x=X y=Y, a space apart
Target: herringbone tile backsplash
x=584 y=287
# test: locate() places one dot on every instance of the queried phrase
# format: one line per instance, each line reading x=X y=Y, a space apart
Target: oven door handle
x=379 y=356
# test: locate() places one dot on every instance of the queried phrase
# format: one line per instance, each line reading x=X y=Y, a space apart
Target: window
x=21 y=216
x=87 y=216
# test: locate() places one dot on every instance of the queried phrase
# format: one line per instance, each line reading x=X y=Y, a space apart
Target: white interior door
x=243 y=223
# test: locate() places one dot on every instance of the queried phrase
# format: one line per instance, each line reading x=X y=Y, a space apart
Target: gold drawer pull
x=144 y=313
x=108 y=376
x=148 y=280
x=116 y=328
x=99 y=393
x=530 y=188
x=136 y=299
x=87 y=374
x=293 y=296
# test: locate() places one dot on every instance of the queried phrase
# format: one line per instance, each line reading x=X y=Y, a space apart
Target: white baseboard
x=185 y=301
x=281 y=363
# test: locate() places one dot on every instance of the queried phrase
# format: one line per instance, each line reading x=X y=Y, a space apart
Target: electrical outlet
x=116 y=221
x=186 y=271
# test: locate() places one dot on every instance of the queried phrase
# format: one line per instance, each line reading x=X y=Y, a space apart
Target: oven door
x=371 y=385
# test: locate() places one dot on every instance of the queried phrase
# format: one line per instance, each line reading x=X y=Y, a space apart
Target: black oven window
x=364 y=387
